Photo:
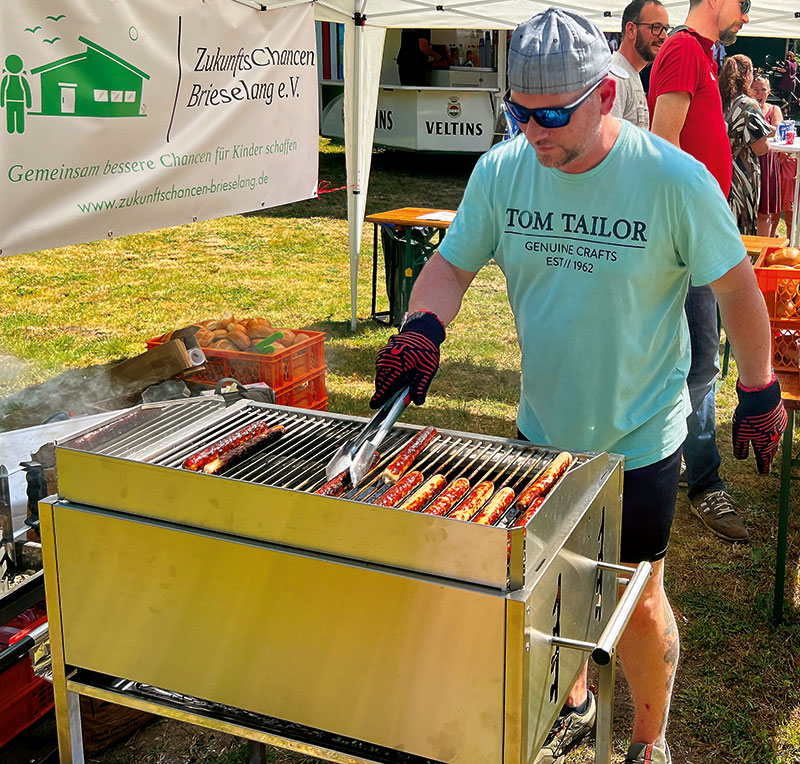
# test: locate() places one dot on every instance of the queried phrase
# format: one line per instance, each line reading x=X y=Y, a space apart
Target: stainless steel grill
x=305 y=621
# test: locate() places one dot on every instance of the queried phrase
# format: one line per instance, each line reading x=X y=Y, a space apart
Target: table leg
x=794 y=237
x=783 y=517
x=407 y=274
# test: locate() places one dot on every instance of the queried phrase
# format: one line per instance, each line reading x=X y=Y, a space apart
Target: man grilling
x=597 y=227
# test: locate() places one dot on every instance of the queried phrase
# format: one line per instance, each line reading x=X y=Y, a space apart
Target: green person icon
x=15 y=94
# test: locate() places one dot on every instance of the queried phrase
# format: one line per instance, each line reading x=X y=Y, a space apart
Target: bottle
x=488 y=48
x=481 y=53
x=461 y=59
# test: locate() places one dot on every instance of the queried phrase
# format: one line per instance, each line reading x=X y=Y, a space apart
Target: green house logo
x=95 y=83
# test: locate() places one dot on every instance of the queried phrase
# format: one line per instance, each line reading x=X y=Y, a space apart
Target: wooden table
x=790 y=393
x=754 y=244
x=406 y=219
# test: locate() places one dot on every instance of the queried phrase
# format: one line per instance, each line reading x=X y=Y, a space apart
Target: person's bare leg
x=649 y=650
x=578 y=692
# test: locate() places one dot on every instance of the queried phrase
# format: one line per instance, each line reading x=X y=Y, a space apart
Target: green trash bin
x=405 y=251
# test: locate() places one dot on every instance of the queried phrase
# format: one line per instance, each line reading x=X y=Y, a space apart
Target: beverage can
x=782 y=131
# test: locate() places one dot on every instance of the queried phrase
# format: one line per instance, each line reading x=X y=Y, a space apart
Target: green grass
x=737 y=695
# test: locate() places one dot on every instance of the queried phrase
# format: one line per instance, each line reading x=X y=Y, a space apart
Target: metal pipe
x=607 y=642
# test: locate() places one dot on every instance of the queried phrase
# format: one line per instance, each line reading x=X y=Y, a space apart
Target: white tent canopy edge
x=365 y=24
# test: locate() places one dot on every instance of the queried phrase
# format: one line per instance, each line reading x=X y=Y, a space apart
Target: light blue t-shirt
x=597 y=266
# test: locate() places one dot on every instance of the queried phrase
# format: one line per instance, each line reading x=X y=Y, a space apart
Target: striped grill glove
x=409 y=358
x=759 y=418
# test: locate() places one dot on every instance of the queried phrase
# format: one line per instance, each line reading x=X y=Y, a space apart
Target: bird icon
x=57 y=18
x=32 y=30
x=52 y=40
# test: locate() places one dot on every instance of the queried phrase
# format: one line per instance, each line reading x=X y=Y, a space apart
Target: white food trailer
x=457 y=112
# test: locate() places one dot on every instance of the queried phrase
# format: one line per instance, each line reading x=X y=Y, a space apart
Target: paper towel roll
x=197 y=356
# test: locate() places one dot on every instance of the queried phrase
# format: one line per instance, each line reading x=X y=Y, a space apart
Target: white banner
x=127 y=116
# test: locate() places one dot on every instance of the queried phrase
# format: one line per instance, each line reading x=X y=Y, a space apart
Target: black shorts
x=648 y=507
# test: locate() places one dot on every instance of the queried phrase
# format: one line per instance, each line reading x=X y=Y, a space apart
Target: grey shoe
x=648 y=753
x=569 y=730
x=682 y=479
x=717 y=509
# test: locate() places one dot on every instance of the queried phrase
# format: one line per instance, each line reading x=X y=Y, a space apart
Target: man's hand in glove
x=759 y=418
x=409 y=358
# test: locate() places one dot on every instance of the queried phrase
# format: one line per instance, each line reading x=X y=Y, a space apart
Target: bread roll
x=224 y=344
x=256 y=323
x=298 y=338
x=239 y=338
x=220 y=333
x=288 y=336
x=260 y=332
x=783 y=256
x=204 y=337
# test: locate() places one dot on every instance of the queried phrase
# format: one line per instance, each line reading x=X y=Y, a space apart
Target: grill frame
x=533 y=574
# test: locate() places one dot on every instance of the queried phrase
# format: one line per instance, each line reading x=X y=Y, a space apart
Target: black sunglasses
x=549 y=116
x=745 y=6
x=658 y=29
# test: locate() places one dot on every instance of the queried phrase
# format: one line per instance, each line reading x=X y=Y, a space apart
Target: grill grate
x=297 y=460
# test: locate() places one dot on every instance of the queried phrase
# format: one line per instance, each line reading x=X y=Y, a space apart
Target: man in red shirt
x=686 y=109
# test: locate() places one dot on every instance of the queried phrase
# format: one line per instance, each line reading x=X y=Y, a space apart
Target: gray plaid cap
x=558 y=51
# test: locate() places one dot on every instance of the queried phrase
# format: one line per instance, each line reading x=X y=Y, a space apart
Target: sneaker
x=682 y=480
x=717 y=509
x=568 y=731
x=648 y=753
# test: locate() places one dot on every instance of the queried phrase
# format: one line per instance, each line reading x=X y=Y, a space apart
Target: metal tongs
x=356 y=454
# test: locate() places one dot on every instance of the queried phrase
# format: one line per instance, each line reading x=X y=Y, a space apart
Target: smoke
x=86 y=390
x=11 y=370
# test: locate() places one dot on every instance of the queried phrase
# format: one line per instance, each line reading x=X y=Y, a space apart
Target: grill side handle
x=602 y=651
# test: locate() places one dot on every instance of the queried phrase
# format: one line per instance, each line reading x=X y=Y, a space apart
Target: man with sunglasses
x=645 y=26
x=596 y=225
x=686 y=109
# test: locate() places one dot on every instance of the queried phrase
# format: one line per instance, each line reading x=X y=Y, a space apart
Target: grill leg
x=258 y=752
x=605 y=711
x=75 y=729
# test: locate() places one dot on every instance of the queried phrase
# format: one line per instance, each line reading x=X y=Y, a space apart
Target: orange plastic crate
x=278 y=370
x=781 y=290
x=24 y=697
x=307 y=393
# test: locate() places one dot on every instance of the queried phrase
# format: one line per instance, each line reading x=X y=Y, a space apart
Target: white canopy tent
x=366 y=21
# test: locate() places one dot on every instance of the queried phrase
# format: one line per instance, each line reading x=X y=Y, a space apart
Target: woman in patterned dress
x=748 y=132
x=769 y=202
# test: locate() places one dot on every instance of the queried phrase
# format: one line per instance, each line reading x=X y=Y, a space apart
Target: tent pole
x=355 y=206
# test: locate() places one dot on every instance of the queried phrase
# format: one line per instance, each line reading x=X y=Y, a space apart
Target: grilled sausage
x=542 y=484
x=116 y=426
x=428 y=491
x=197 y=461
x=476 y=498
x=411 y=450
x=400 y=490
x=448 y=498
x=498 y=504
x=525 y=517
x=229 y=458
x=338 y=485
